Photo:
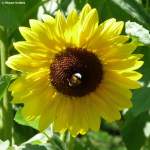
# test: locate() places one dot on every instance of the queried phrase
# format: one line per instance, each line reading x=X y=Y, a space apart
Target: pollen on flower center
x=76 y=72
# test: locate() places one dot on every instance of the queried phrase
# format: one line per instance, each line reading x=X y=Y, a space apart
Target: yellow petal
x=72 y=18
x=88 y=27
x=48 y=116
x=28 y=47
x=72 y=32
x=121 y=64
x=85 y=10
x=132 y=75
x=35 y=50
x=40 y=29
x=102 y=45
x=107 y=35
x=120 y=98
x=60 y=122
x=79 y=120
x=60 y=25
x=111 y=28
x=28 y=34
x=37 y=26
x=93 y=115
x=32 y=82
x=119 y=39
x=25 y=64
x=108 y=111
x=116 y=78
x=119 y=51
x=31 y=107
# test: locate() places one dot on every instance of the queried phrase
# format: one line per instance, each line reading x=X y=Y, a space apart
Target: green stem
x=6 y=106
x=147 y=5
x=63 y=136
x=48 y=137
x=68 y=140
x=71 y=142
x=3 y=58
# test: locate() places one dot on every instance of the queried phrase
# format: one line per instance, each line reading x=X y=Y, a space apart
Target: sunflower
x=74 y=71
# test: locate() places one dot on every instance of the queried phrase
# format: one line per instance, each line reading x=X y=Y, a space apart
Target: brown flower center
x=76 y=72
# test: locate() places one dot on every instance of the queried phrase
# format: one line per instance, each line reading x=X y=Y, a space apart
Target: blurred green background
x=132 y=132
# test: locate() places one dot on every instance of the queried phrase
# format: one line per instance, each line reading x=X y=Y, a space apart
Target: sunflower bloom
x=74 y=71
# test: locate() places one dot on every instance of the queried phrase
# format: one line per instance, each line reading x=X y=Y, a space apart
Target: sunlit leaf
x=21 y=120
x=43 y=142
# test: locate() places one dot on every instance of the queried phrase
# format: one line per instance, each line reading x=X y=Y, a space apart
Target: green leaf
x=4 y=83
x=135 y=10
x=147 y=144
x=80 y=3
x=132 y=130
x=63 y=5
x=21 y=120
x=17 y=13
x=56 y=144
x=11 y=13
x=22 y=133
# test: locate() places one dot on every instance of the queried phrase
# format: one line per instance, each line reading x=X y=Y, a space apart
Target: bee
x=75 y=80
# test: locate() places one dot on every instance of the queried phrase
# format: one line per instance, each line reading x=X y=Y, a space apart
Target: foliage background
x=132 y=132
